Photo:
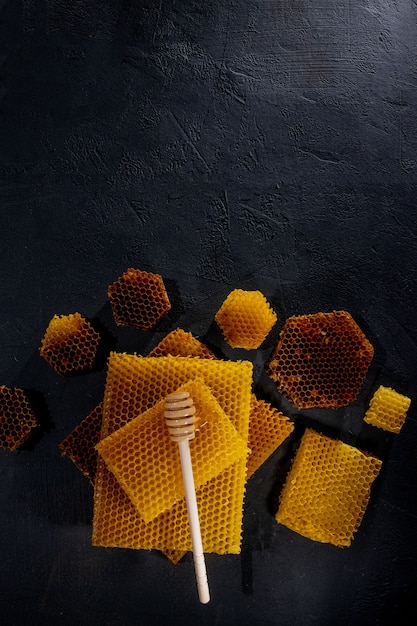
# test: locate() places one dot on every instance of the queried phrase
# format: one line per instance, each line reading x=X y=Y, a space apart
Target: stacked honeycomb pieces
x=138 y=299
x=70 y=344
x=321 y=360
x=387 y=409
x=17 y=418
x=327 y=489
x=245 y=319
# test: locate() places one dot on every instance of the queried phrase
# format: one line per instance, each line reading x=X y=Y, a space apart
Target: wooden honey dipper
x=180 y=418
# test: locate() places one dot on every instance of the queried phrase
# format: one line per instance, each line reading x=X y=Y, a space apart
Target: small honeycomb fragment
x=268 y=429
x=146 y=461
x=80 y=444
x=245 y=319
x=70 y=344
x=327 y=490
x=133 y=385
x=17 y=418
x=180 y=343
x=321 y=360
x=387 y=409
x=138 y=299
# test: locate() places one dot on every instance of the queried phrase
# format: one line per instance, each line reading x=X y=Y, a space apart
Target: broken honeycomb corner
x=245 y=318
x=320 y=360
x=17 y=417
x=387 y=409
x=138 y=299
x=327 y=489
x=181 y=343
x=70 y=344
x=79 y=445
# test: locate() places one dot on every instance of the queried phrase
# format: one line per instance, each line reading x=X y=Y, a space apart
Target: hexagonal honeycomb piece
x=268 y=429
x=387 y=409
x=138 y=299
x=80 y=444
x=146 y=461
x=321 y=360
x=180 y=343
x=245 y=319
x=17 y=418
x=70 y=344
x=327 y=490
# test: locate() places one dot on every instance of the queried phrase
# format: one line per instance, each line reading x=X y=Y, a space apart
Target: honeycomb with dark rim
x=17 y=417
x=387 y=409
x=327 y=489
x=70 y=344
x=138 y=299
x=245 y=318
x=321 y=360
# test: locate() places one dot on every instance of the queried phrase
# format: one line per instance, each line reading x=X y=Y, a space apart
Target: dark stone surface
x=261 y=145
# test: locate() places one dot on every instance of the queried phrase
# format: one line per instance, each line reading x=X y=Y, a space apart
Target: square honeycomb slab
x=138 y=299
x=321 y=360
x=327 y=490
x=17 y=418
x=146 y=461
x=387 y=409
x=181 y=343
x=80 y=444
x=134 y=384
x=245 y=319
x=70 y=344
x=268 y=429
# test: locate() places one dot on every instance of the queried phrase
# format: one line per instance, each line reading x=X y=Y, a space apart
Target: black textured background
x=256 y=144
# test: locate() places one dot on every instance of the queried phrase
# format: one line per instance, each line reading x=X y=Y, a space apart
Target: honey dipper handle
x=190 y=498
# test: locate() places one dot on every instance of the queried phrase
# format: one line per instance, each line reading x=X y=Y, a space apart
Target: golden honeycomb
x=245 y=319
x=181 y=343
x=17 y=418
x=146 y=461
x=134 y=384
x=321 y=360
x=138 y=299
x=268 y=429
x=80 y=444
x=327 y=489
x=70 y=344
x=387 y=409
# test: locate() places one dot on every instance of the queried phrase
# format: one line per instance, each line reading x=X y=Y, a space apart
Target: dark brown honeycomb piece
x=17 y=418
x=79 y=445
x=70 y=344
x=138 y=299
x=321 y=360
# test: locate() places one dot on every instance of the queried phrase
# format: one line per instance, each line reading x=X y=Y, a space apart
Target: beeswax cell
x=17 y=418
x=327 y=490
x=138 y=299
x=80 y=444
x=146 y=461
x=70 y=344
x=387 y=409
x=245 y=319
x=134 y=384
x=321 y=360
x=180 y=343
x=268 y=429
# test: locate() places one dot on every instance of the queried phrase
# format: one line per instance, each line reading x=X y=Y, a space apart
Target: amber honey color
x=387 y=409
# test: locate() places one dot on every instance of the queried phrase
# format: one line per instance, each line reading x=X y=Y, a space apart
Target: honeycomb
x=387 y=409
x=17 y=418
x=80 y=444
x=146 y=461
x=245 y=319
x=321 y=360
x=327 y=490
x=134 y=384
x=180 y=343
x=268 y=429
x=70 y=344
x=138 y=299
